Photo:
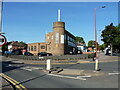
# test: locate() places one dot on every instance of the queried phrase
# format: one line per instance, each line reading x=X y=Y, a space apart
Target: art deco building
x=60 y=41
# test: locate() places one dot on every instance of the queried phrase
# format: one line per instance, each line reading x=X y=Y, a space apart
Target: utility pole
x=1 y=6
x=95 y=36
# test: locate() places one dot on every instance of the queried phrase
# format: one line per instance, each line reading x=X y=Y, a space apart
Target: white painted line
x=41 y=57
x=31 y=68
x=67 y=77
x=83 y=76
x=113 y=73
x=28 y=69
x=9 y=65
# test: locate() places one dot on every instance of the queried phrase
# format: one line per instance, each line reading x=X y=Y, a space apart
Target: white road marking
x=84 y=76
x=31 y=68
x=28 y=69
x=41 y=57
x=80 y=78
x=9 y=65
x=113 y=73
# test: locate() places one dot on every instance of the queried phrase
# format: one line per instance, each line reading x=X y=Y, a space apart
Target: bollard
x=48 y=64
x=96 y=64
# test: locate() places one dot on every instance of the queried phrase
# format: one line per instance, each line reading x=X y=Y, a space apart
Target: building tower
x=58 y=29
x=60 y=41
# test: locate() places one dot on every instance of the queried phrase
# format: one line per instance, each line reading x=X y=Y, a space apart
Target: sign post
x=2 y=40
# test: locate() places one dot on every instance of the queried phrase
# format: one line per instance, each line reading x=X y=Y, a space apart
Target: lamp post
x=95 y=36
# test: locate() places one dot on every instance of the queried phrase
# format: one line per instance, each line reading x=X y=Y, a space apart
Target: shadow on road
x=8 y=66
x=30 y=79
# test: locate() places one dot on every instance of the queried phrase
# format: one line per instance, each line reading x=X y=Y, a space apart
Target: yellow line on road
x=13 y=82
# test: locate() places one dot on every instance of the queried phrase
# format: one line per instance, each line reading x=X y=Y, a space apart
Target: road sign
x=2 y=40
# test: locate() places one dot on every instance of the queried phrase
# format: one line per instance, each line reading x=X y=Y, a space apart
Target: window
x=48 y=37
x=42 y=47
x=34 y=48
x=31 y=48
x=57 y=38
x=52 y=37
x=28 y=48
x=65 y=36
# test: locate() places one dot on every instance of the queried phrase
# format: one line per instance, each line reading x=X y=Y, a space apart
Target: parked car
x=9 y=53
x=28 y=54
x=44 y=54
x=17 y=52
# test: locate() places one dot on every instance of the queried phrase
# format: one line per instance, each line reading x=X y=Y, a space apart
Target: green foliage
x=91 y=43
x=79 y=39
x=25 y=45
x=5 y=47
x=111 y=36
x=102 y=47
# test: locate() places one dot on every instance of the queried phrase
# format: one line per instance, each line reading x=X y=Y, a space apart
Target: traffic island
x=54 y=70
x=81 y=72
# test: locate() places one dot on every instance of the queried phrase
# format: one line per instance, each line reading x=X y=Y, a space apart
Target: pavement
x=5 y=84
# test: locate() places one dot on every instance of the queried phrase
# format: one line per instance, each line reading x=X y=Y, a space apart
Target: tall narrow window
x=28 y=48
x=57 y=38
x=52 y=37
x=34 y=48
x=62 y=38
x=31 y=48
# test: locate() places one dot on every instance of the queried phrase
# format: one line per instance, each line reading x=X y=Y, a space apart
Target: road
x=32 y=76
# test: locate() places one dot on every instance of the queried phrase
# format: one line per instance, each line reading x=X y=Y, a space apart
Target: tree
x=5 y=47
x=93 y=44
x=79 y=39
x=24 y=44
x=111 y=36
x=102 y=47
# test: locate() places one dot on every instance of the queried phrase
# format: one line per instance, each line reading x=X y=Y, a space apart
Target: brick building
x=35 y=48
x=15 y=45
x=58 y=42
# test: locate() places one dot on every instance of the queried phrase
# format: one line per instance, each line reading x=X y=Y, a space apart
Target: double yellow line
x=15 y=83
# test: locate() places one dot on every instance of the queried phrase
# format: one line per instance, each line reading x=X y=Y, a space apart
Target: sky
x=30 y=21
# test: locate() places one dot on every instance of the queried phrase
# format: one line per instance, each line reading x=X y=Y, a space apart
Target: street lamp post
x=95 y=36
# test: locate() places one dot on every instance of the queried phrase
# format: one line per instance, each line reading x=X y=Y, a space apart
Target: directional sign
x=2 y=40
